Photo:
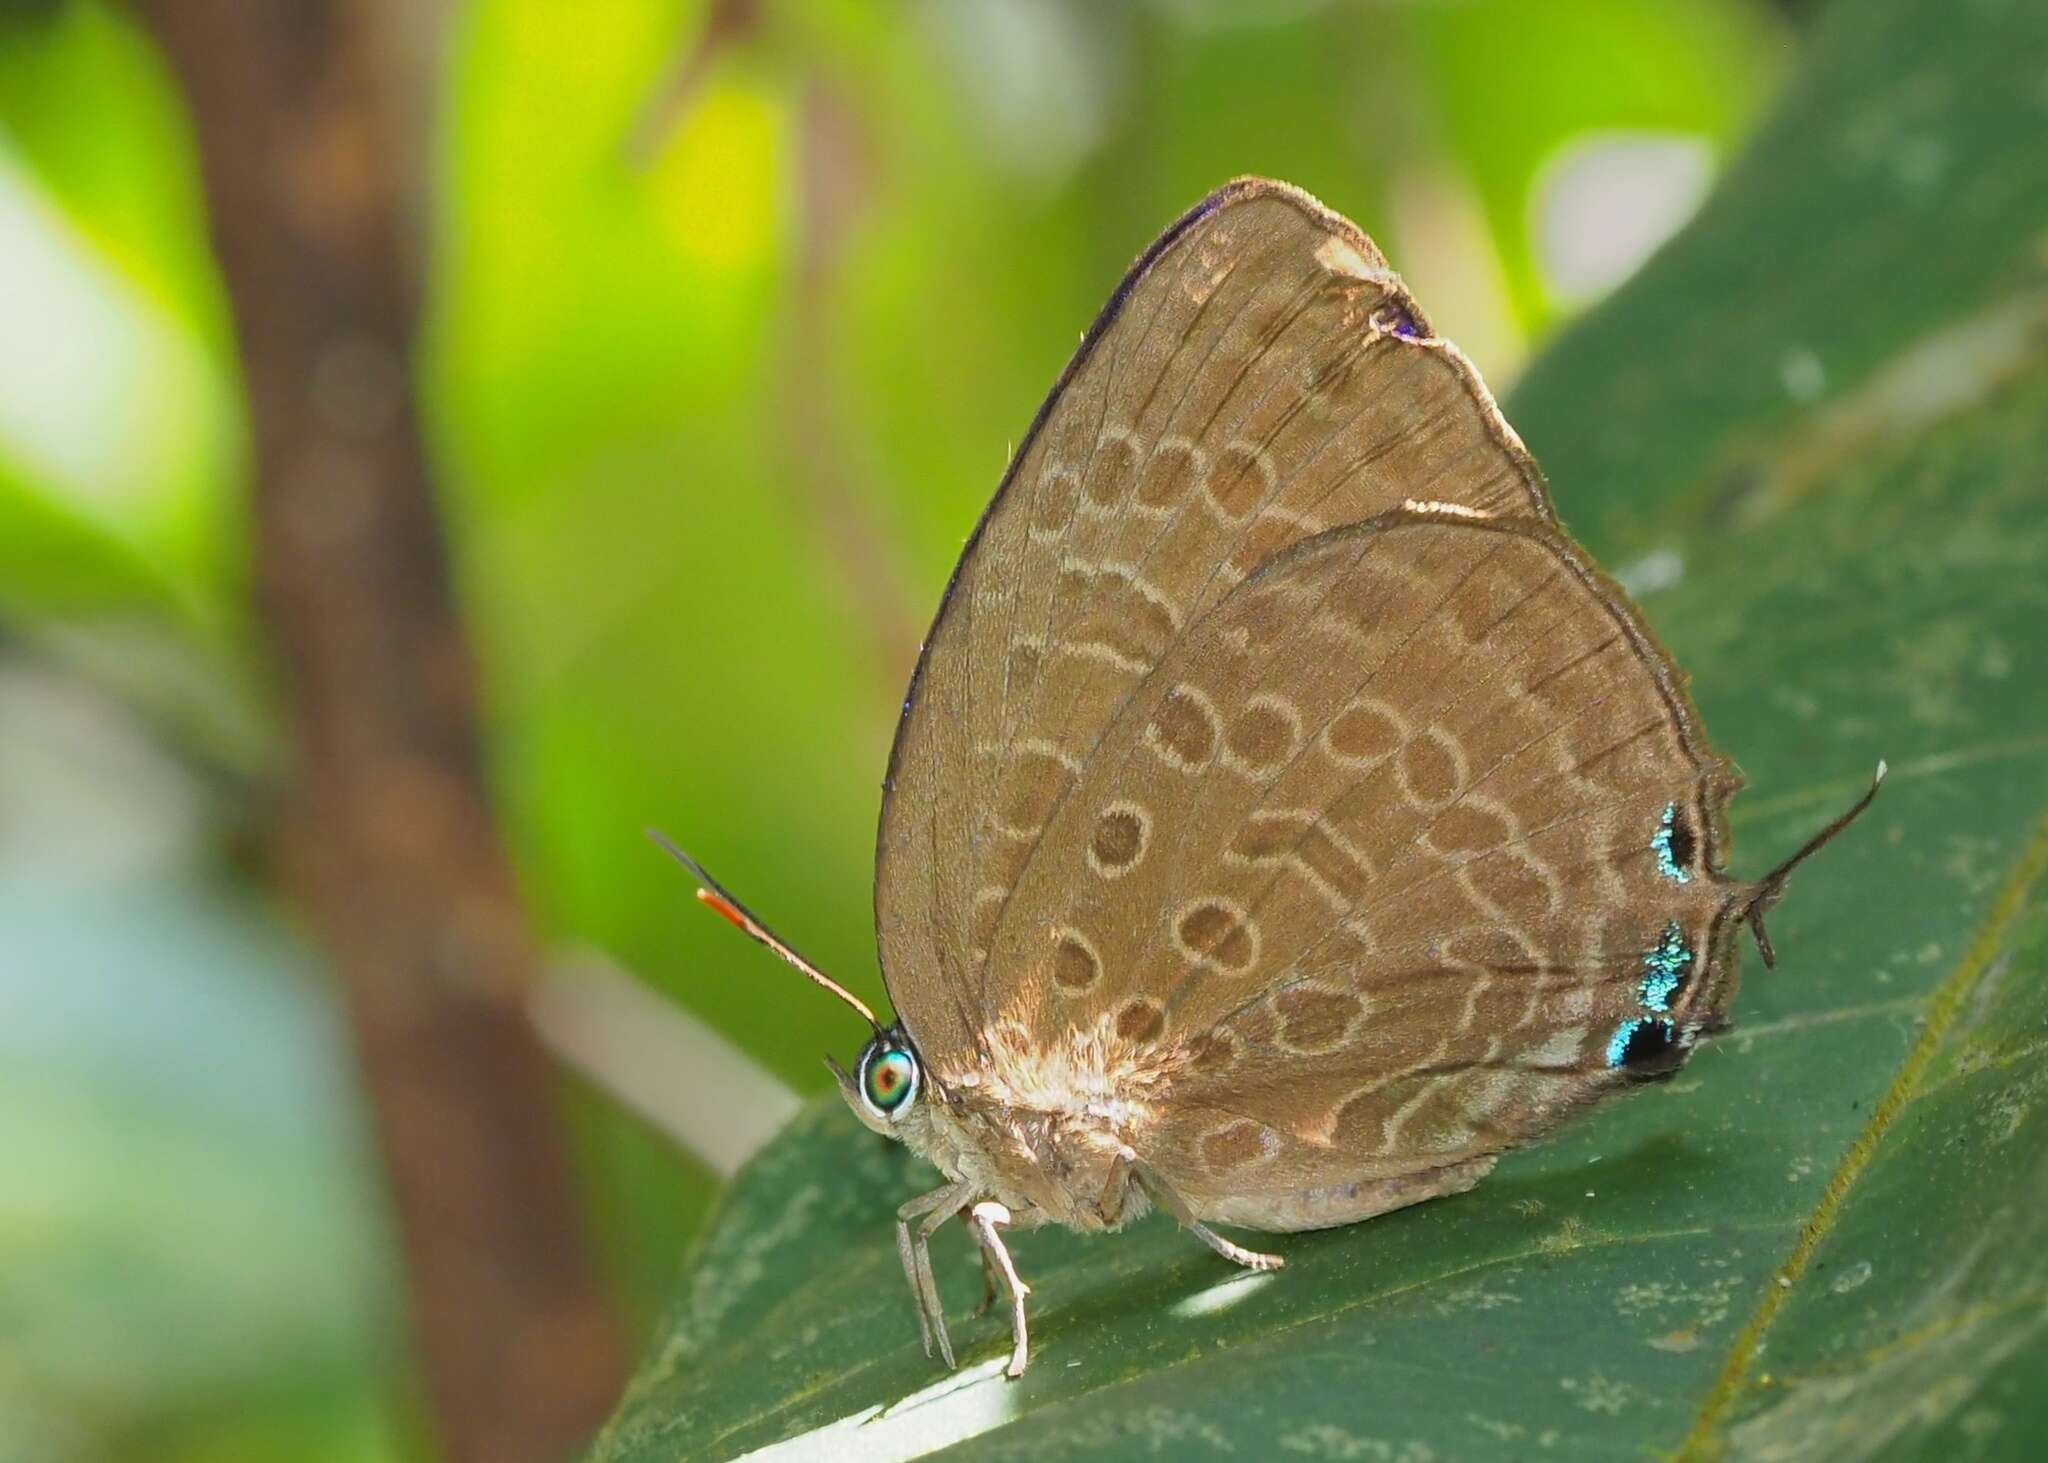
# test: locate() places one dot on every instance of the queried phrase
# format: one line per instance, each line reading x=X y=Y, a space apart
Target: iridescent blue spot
x=1638 y=1039
x=1398 y=321
x=1660 y=842
x=1665 y=968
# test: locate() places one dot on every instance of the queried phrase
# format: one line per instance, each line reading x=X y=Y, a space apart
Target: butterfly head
x=886 y=1085
x=884 y=1088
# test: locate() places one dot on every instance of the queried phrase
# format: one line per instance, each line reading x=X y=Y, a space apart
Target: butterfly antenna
x=714 y=895
x=1772 y=887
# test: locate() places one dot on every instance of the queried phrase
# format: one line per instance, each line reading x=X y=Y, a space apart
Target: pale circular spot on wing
x=1102 y=650
x=1512 y=883
x=1026 y=659
x=1075 y=963
x=1244 y=477
x=1131 y=621
x=1371 y=1119
x=1185 y=729
x=1316 y=1018
x=1267 y=836
x=1358 y=607
x=1432 y=767
x=1214 y=932
x=1265 y=734
x=1177 y=467
x=1141 y=1020
x=1032 y=785
x=1471 y=826
x=1122 y=834
x=1113 y=469
x=1362 y=734
x=1052 y=506
x=1238 y=1145
x=1490 y=947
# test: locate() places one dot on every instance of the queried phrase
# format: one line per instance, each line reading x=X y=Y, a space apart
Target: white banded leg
x=1163 y=1195
x=983 y=1220
x=914 y=1249
x=988 y=1282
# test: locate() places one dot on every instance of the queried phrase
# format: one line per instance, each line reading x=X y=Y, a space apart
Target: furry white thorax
x=1049 y=1131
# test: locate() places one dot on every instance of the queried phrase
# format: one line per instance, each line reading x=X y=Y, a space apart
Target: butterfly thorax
x=1051 y=1127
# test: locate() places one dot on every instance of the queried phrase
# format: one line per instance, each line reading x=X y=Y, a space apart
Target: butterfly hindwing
x=1404 y=851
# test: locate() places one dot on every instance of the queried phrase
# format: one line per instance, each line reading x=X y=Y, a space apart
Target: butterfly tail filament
x=1771 y=888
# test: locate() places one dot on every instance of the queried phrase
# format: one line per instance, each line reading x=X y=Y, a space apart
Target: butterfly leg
x=984 y=1219
x=1162 y=1194
x=913 y=1247
x=988 y=1281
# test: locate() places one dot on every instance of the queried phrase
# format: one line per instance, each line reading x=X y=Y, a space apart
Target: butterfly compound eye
x=888 y=1078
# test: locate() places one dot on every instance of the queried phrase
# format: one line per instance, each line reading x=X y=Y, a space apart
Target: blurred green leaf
x=119 y=434
x=1509 y=84
x=124 y=180
x=1829 y=1237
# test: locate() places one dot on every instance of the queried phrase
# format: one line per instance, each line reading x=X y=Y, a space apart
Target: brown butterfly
x=1286 y=817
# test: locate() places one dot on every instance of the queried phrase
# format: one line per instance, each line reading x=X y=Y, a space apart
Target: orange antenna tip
x=719 y=905
x=743 y=919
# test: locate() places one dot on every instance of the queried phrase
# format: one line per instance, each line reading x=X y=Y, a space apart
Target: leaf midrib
x=1702 y=1442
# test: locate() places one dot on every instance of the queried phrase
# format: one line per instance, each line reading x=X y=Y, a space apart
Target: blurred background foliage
x=732 y=316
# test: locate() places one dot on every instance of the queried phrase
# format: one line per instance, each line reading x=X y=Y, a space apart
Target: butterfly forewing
x=1260 y=377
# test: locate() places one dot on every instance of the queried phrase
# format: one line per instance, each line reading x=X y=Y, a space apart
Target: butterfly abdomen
x=1288 y=1210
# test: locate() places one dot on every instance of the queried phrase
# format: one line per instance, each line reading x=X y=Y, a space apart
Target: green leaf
x=1817 y=428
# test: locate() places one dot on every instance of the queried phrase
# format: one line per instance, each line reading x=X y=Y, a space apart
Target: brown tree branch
x=727 y=23
x=388 y=834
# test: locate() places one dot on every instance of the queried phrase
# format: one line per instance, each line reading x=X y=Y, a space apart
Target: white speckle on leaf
x=1475 y=1297
x=1920 y=163
x=1694 y=1307
x=2006 y=1110
x=1599 y=1393
x=1327 y=1440
x=1222 y=1295
x=1658 y=569
x=1851 y=1278
x=1507 y=1432
x=1804 y=377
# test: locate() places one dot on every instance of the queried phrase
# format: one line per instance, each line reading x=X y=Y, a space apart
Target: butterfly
x=1287 y=817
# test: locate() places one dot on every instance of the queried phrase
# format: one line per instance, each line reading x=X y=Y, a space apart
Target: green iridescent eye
x=888 y=1078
